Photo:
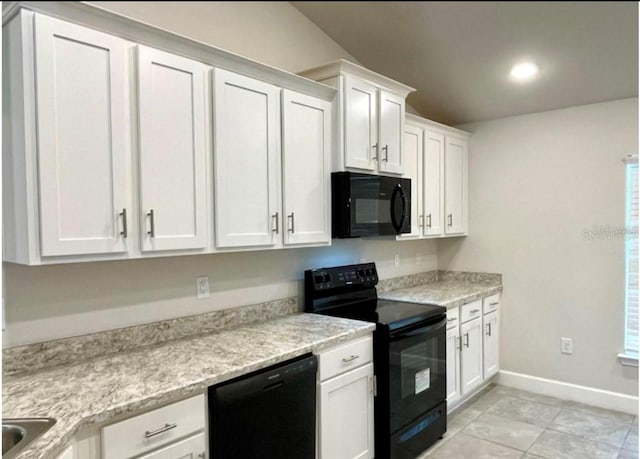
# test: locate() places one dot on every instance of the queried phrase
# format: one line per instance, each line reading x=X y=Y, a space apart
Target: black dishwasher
x=267 y=414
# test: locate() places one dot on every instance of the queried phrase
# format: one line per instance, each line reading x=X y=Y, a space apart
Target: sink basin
x=18 y=433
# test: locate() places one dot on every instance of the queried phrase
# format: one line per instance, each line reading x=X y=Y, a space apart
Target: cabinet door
x=491 y=337
x=246 y=161
x=360 y=124
x=189 y=448
x=306 y=184
x=412 y=165
x=172 y=151
x=346 y=415
x=453 y=365
x=471 y=355
x=433 y=184
x=391 y=130
x=83 y=139
x=456 y=186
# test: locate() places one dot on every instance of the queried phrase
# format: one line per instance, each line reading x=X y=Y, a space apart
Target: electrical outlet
x=567 y=346
x=397 y=260
x=202 y=287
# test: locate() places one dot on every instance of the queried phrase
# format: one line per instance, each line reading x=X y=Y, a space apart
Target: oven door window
x=417 y=368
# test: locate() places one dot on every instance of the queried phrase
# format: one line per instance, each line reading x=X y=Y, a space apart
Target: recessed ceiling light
x=524 y=71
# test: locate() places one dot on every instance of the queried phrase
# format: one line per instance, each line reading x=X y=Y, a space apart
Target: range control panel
x=364 y=275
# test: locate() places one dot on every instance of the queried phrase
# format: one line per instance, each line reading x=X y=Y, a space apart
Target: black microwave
x=369 y=205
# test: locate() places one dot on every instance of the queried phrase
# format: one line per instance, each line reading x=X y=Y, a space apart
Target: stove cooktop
x=399 y=314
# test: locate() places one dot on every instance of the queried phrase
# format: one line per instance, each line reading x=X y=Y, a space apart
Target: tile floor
x=501 y=422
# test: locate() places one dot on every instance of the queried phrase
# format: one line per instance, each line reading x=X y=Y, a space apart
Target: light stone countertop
x=449 y=292
x=94 y=391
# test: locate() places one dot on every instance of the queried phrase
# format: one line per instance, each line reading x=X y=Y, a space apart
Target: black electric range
x=409 y=356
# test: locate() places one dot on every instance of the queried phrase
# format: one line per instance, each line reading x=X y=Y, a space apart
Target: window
x=631 y=259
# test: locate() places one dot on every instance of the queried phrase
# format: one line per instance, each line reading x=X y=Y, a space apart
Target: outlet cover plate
x=202 y=287
x=567 y=346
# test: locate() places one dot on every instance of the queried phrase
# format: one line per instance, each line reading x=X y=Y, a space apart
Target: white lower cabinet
x=189 y=448
x=472 y=348
x=159 y=433
x=345 y=401
x=471 y=355
x=453 y=365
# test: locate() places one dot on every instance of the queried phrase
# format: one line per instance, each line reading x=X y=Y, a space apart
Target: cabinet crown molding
x=342 y=66
x=419 y=121
x=97 y=18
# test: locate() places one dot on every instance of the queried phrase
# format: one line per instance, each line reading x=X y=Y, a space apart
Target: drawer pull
x=474 y=311
x=350 y=359
x=495 y=303
x=166 y=428
x=452 y=319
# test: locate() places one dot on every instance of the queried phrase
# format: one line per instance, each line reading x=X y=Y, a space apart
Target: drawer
x=453 y=317
x=470 y=311
x=343 y=358
x=151 y=430
x=490 y=303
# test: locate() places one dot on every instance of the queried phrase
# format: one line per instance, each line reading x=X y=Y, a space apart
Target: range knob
x=360 y=272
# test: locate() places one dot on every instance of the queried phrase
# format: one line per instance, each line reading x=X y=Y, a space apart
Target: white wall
x=537 y=184
x=49 y=302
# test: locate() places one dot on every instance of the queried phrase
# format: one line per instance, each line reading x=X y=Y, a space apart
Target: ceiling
x=458 y=54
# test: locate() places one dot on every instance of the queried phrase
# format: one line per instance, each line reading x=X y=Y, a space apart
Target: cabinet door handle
x=277 y=228
x=201 y=456
x=450 y=217
x=161 y=430
x=124 y=233
x=152 y=224
x=350 y=359
x=489 y=329
x=421 y=221
x=386 y=153
x=466 y=340
x=375 y=147
x=459 y=343
x=293 y=222
x=429 y=221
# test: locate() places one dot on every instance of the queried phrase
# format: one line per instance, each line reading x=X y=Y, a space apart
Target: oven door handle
x=420 y=329
x=397 y=226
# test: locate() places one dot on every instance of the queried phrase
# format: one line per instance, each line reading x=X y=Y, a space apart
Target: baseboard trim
x=567 y=391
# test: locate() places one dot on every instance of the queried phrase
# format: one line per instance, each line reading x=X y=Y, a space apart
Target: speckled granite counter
x=97 y=390
x=448 y=289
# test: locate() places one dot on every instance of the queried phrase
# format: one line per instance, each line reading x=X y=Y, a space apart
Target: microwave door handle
x=394 y=222
x=403 y=196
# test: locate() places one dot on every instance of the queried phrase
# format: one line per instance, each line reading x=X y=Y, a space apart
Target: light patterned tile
x=626 y=454
x=529 y=396
x=631 y=442
x=524 y=411
x=463 y=446
x=461 y=418
x=507 y=432
x=590 y=427
x=601 y=412
x=558 y=445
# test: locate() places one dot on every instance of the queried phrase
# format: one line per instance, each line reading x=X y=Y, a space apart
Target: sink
x=18 y=433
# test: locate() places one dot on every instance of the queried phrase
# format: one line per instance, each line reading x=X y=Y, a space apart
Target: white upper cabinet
x=306 y=144
x=246 y=161
x=83 y=140
x=412 y=164
x=369 y=121
x=391 y=132
x=360 y=135
x=455 y=186
x=433 y=184
x=115 y=150
x=173 y=166
x=438 y=178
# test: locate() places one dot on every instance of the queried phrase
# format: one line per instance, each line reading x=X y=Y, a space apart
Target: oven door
x=417 y=371
x=379 y=205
